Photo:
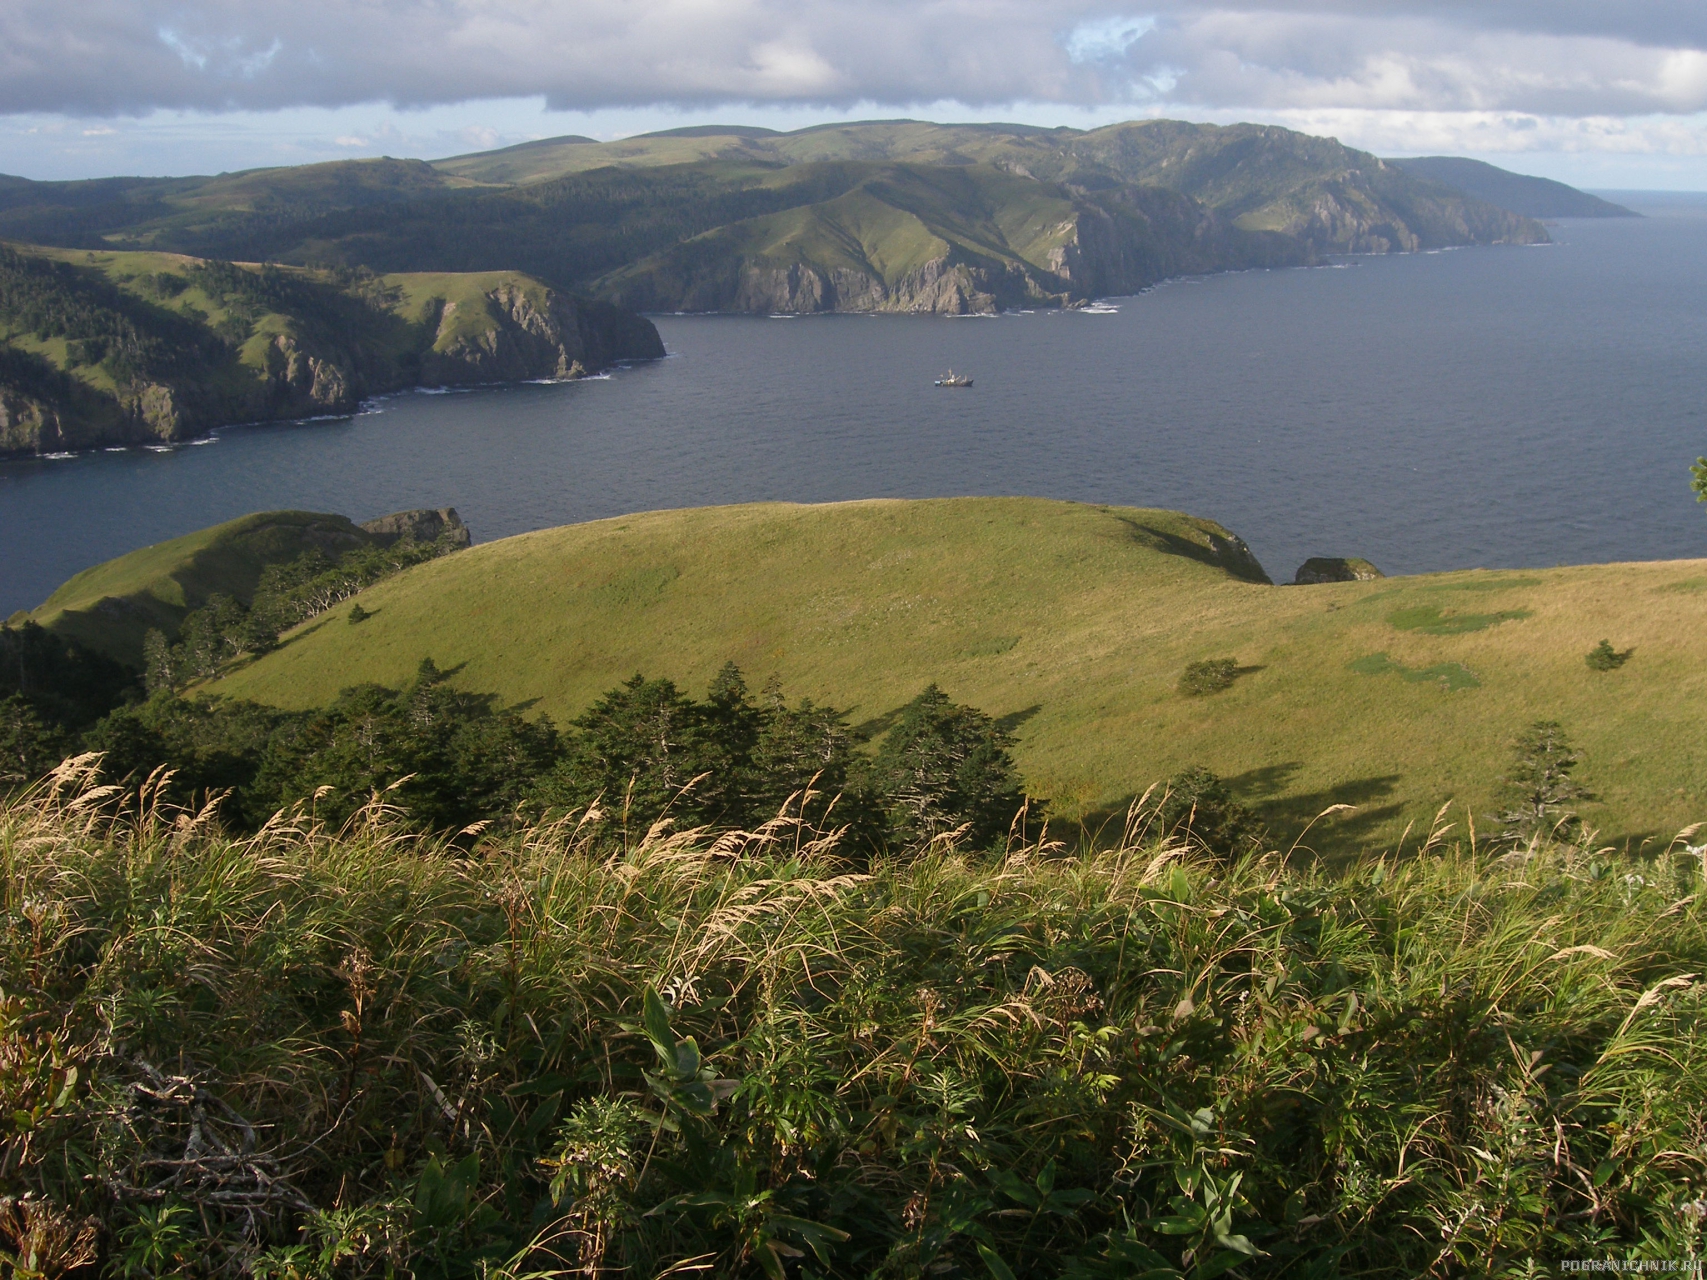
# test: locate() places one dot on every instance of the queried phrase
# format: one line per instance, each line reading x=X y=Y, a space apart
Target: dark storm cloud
x=1576 y=57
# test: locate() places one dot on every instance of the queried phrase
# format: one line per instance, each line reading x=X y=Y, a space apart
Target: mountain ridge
x=728 y=217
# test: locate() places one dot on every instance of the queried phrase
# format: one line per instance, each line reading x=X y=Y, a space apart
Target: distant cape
x=1533 y=197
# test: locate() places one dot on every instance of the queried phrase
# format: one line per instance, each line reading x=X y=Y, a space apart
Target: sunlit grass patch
x=1432 y=621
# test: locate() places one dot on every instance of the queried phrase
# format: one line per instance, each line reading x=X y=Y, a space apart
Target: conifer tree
x=1539 y=788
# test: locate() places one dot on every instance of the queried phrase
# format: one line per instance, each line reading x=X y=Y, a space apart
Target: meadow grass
x=366 y=1052
x=1074 y=623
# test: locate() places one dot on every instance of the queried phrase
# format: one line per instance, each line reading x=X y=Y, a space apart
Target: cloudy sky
x=1605 y=93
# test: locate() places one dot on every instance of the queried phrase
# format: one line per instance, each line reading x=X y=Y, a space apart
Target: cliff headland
x=103 y=348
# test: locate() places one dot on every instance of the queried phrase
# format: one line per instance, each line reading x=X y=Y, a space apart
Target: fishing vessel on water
x=953 y=379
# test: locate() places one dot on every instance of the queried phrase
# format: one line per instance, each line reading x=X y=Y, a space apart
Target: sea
x=1496 y=407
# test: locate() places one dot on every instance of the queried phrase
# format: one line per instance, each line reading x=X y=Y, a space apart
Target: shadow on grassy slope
x=1288 y=816
x=1234 y=558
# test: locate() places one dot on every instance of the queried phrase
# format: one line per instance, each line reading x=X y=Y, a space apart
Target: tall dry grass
x=316 y=1052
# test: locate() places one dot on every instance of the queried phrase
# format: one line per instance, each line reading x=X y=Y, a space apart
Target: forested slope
x=109 y=348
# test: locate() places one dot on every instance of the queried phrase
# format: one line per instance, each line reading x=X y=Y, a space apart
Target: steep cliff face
x=27 y=425
x=1379 y=213
x=69 y=416
x=307 y=381
x=948 y=285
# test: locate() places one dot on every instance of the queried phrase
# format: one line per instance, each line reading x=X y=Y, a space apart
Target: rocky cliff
x=427 y=524
x=528 y=331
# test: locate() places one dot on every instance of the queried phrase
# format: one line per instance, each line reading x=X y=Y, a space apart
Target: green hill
x=112 y=606
x=103 y=348
x=1074 y=623
x=882 y=215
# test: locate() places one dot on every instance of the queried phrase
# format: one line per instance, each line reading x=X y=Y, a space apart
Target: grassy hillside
x=708 y=235
x=1074 y=623
x=103 y=347
x=112 y=606
x=80 y=213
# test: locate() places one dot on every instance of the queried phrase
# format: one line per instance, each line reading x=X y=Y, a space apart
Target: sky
x=1598 y=93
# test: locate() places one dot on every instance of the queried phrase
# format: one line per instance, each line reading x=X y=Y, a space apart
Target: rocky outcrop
x=533 y=333
x=1234 y=555
x=425 y=525
x=307 y=381
x=27 y=425
x=1335 y=569
x=153 y=406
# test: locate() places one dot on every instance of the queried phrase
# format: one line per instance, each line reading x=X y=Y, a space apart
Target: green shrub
x=943 y=765
x=1212 y=675
x=1603 y=657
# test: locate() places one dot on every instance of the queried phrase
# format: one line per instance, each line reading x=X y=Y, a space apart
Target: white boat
x=953 y=379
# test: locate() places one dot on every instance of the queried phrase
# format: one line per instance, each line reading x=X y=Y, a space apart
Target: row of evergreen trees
x=644 y=751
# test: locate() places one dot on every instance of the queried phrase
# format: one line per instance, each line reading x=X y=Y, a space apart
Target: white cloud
x=1536 y=77
x=1574 y=57
x=1106 y=38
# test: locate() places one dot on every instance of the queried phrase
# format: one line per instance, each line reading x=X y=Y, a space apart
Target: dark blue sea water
x=1499 y=407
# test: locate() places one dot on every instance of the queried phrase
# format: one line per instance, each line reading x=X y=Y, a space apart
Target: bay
x=1503 y=407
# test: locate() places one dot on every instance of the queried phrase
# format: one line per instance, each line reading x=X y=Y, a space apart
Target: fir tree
x=1539 y=789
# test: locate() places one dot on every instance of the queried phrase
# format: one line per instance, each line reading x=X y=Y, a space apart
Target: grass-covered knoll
x=1073 y=625
x=106 y=347
x=316 y=1054
x=111 y=607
